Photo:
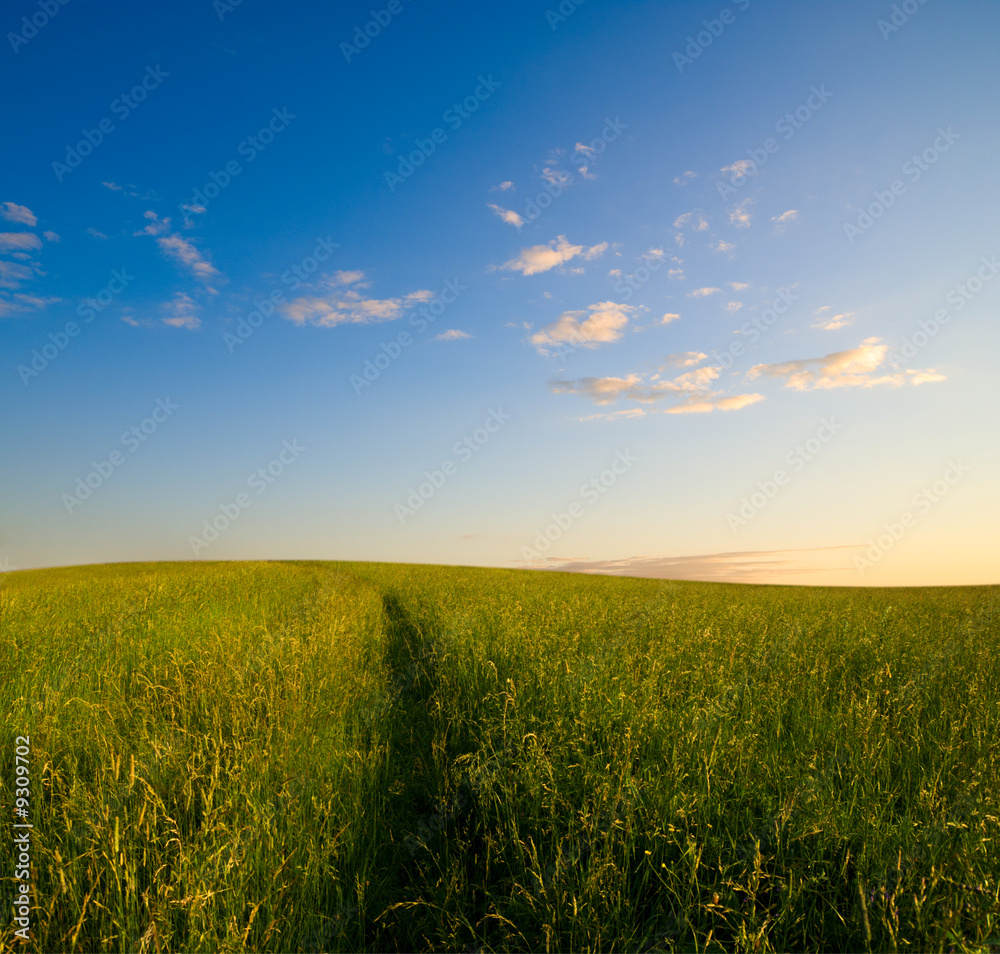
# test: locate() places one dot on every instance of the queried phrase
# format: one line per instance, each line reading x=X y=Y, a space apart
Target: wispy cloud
x=181 y=312
x=508 y=215
x=832 y=322
x=19 y=303
x=688 y=393
x=541 y=258
x=503 y=187
x=669 y=317
x=741 y=167
x=21 y=214
x=721 y=246
x=600 y=323
x=854 y=368
x=19 y=241
x=339 y=303
x=13 y=275
x=739 y=214
x=749 y=566
x=695 y=220
x=179 y=248
x=685 y=177
x=780 y=221
x=95 y=233
x=703 y=292
x=733 y=306
x=452 y=334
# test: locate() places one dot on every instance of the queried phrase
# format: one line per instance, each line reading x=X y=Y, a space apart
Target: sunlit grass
x=320 y=756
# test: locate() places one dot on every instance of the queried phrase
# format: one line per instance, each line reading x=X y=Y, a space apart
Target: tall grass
x=320 y=756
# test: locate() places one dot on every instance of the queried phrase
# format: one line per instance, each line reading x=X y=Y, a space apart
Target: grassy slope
x=319 y=756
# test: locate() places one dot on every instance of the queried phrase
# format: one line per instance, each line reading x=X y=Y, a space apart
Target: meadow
x=315 y=756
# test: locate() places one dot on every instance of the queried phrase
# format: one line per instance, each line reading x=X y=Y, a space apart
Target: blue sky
x=616 y=287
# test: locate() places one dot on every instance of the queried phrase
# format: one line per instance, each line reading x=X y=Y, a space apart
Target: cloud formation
x=339 y=303
x=854 y=368
x=19 y=241
x=599 y=323
x=508 y=215
x=21 y=214
x=542 y=258
x=687 y=393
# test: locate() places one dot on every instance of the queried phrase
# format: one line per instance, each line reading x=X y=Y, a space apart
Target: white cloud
x=669 y=317
x=741 y=167
x=721 y=246
x=689 y=392
x=737 y=286
x=703 y=292
x=833 y=322
x=452 y=334
x=95 y=233
x=50 y=236
x=13 y=212
x=182 y=251
x=503 y=187
x=181 y=312
x=13 y=275
x=696 y=220
x=780 y=221
x=683 y=178
x=508 y=215
x=677 y=273
x=733 y=306
x=600 y=323
x=339 y=303
x=541 y=258
x=15 y=241
x=684 y=359
x=178 y=248
x=739 y=216
x=12 y=304
x=854 y=368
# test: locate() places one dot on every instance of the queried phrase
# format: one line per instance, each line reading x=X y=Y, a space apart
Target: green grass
x=306 y=756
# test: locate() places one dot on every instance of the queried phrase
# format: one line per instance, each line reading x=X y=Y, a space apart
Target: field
x=308 y=756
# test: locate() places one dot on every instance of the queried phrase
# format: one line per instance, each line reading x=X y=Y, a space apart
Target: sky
x=682 y=290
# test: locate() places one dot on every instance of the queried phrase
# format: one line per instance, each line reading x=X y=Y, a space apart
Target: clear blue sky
x=679 y=245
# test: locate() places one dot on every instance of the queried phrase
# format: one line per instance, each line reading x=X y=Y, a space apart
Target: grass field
x=307 y=756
